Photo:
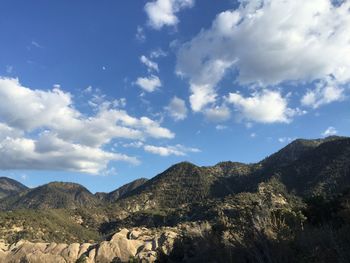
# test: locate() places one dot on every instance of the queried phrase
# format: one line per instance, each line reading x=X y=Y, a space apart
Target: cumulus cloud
x=163 y=12
x=65 y=139
x=149 y=84
x=151 y=65
x=177 y=150
x=324 y=93
x=217 y=114
x=265 y=107
x=51 y=153
x=268 y=42
x=177 y=109
x=329 y=131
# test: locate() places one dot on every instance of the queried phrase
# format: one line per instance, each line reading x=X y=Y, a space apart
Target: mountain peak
x=10 y=186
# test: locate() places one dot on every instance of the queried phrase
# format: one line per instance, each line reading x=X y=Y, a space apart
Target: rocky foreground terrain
x=138 y=244
x=293 y=206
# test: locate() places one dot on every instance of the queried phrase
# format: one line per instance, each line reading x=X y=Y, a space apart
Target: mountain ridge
x=214 y=181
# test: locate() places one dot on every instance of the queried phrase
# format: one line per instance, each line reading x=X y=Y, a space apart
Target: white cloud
x=264 y=107
x=151 y=65
x=217 y=114
x=324 y=93
x=157 y=53
x=329 y=131
x=163 y=12
x=268 y=42
x=71 y=140
x=285 y=139
x=52 y=153
x=137 y=144
x=149 y=84
x=177 y=150
x=177 y=109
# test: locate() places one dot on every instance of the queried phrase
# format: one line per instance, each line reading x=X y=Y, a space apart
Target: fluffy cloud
x=43 y=130
x=324 y=93
x=177 y=150
x=329 y=131
x=177 y=109
x=265 y=107
x=217 y=114
x=163 y=12
x=268 y=42
x=151 y=65
x=51 y=153
x=149 y=84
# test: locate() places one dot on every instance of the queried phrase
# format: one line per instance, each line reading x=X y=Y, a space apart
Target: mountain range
x=292 y=183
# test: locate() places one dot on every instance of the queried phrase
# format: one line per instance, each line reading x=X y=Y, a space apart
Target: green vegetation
x=44 y=225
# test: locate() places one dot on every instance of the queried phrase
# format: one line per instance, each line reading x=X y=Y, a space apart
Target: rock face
x=141 y=244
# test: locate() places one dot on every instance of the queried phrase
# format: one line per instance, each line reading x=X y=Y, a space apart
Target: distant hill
x=10 y=187
x=294 y=151
x=51 y=196
x=324 y=170
x=121 y=191
x=184 y=183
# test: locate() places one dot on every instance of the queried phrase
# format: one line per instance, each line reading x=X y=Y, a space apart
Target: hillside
x=51 y=196
x=10 y=187
x=121 y=191
x=184 y=183
x=325 y=170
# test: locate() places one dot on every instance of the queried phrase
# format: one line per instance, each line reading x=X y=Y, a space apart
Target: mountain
x=294 y=151
x=51 y=196
x=308 y=167
x=121 y=191
x=10 y=187
x=324 y=170
x=183 y=184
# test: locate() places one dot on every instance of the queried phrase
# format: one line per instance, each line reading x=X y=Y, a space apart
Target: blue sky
x=102 y=93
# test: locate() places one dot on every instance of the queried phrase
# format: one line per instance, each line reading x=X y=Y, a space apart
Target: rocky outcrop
x=141 y=244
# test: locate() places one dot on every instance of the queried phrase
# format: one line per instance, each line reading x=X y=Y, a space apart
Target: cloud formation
x=266 y=43
x=177 y=109
x=329 y=131
x=43 y=130
x=265 y=107
x=177 y=150
x=149 y=84
x=151 y=65
x=163 y=12
x=324 y=93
